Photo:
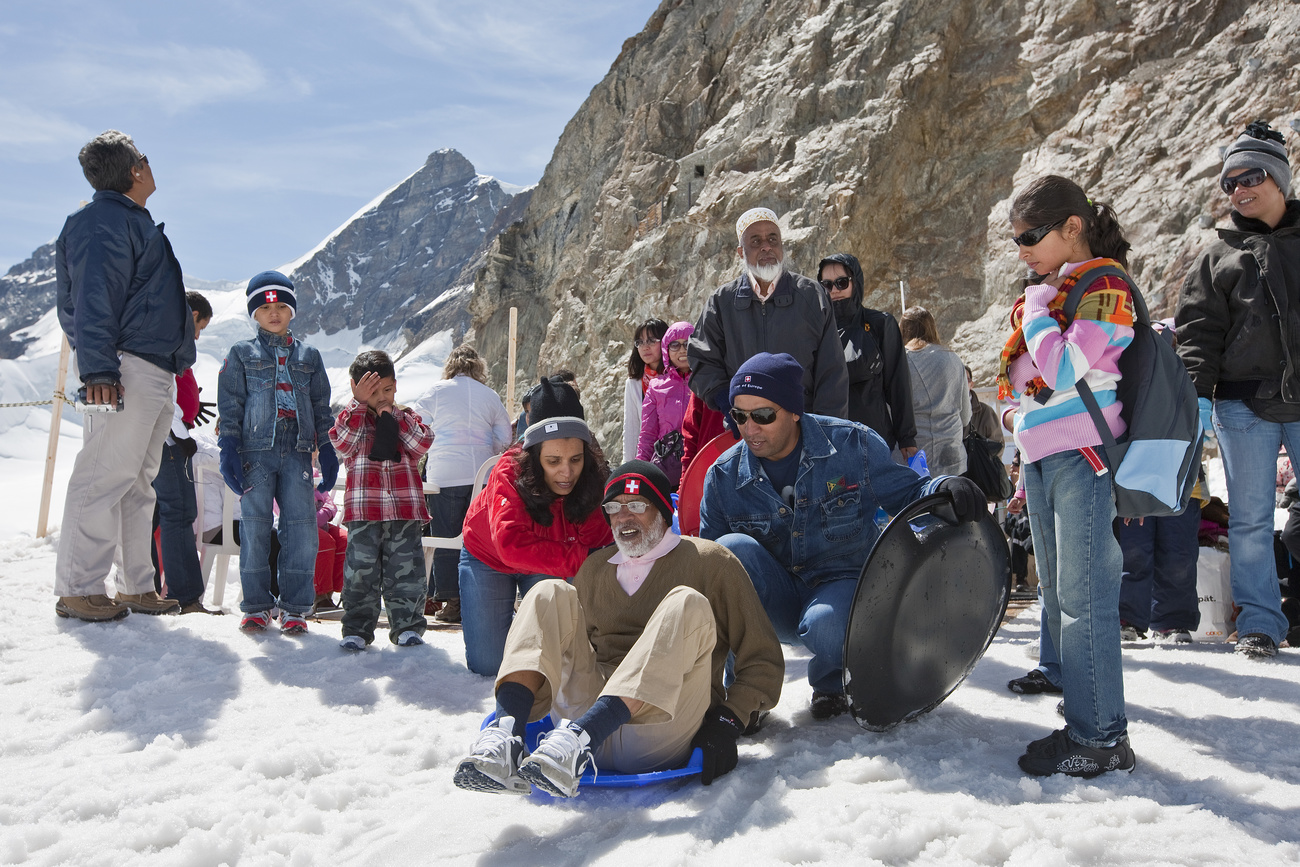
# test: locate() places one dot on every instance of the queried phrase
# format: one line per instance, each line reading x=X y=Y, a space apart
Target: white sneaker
x=493 y=762
x=557 y=764
x=409 y=638
x=353 y=642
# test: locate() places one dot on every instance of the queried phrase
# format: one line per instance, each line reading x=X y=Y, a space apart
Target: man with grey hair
x=121 y=302
x=633 y=651
x=768 y=309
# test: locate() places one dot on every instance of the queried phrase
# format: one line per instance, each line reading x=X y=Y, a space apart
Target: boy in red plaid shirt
x=383 y=506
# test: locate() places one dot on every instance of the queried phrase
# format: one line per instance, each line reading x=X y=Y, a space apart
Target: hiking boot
x=493 y=762
x=149 y=603
x=1129 y=632
x=449 y=612
x=1172 y=636
x=431 y=606
x=196 y=607
x=1033 y=683
x=255 y=621
x=353 y=642
x=557 y=764
x=93 y=609
x=292 y=624
x=1058 y=753
x=1256 y=645
x=828 y=704
x=324 y=602
x=409 y=638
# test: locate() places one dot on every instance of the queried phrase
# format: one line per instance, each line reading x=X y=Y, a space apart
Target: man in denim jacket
x=795 y=501
x=274 y=400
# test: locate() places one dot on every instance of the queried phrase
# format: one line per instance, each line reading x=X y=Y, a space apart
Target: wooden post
x=510 y=359
x=52 y=450
x=902 y=294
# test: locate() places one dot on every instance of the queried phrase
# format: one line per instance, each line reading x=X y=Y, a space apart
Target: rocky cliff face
x=896 y=130
x=26 y=293
x=391 y=269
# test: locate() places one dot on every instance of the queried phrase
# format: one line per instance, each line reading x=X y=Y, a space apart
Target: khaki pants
x=668 y=668
x=110 y=494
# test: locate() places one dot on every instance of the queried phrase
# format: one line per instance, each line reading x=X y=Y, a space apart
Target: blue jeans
x=281 y=474
x=1049 y=661
x=816 y=616
x=1249 y=446
x=1159 y=589
x=1071 y=510
x=487 y=608
x=447 y=510
x=177 y=509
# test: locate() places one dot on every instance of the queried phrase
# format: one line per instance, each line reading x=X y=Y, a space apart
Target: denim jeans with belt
x=177 y=509
x=1071 y=510
x=281 y=474
x=487 y=608
x=1249 y=446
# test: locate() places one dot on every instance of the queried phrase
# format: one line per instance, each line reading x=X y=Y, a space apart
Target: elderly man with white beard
x=768 y=309
x=633 y=653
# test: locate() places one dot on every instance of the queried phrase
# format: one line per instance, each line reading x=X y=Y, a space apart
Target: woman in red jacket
x=537 y=517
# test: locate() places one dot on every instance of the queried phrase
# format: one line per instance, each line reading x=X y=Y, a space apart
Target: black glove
x=717 y=739
x=205 y=413
x=968 y=501
x=384 y=446
x=187 y=447
x=329 y=467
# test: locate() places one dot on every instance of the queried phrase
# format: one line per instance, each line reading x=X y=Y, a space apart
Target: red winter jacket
x=500 y=532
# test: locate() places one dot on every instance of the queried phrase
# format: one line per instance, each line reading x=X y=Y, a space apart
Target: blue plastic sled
x=535 y=730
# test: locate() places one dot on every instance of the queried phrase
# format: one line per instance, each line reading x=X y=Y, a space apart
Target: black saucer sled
x=930 y=599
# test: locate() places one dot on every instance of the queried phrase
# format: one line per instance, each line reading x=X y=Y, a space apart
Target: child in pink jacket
x=664 y=408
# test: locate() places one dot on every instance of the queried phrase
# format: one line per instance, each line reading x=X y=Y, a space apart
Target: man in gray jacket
x=121 y=301
x=768 y=309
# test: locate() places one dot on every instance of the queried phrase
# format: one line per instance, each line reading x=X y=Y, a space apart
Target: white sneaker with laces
x=409 y=638
x=493 y=763
x=353 y=642
x=557 y=764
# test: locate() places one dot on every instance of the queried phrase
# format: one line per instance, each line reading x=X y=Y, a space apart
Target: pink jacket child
x=664 y=408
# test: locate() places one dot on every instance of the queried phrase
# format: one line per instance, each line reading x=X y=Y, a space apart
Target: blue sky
x=268 y=124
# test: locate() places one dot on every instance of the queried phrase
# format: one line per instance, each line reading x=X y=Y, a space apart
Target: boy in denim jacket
x=383 y=507
x=274 y=400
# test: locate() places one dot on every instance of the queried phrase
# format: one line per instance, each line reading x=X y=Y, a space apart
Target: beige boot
x=149 y=603
x=91 y=608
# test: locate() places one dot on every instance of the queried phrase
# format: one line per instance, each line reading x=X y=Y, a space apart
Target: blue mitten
x=232 y=469
x=1207 y=415
x=329 y=467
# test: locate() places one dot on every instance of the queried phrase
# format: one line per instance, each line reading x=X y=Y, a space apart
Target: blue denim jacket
x=246 y=394
x=846 y=472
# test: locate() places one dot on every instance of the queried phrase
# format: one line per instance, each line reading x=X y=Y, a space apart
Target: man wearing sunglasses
x=1238 y=324
x=768 y=309
x=796 y=500
x=633 y=651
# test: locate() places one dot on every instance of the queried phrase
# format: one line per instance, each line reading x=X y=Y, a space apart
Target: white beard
x=768 y=274
x=644 y=543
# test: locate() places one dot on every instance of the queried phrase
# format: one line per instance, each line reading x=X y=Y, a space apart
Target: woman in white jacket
x=469 y=425
x=645 y=363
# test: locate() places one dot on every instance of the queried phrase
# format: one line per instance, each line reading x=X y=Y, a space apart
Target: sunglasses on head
x=762 y=415
x=840 y=283
x=1248 y=178
x=1030 y=237
x=636 y=507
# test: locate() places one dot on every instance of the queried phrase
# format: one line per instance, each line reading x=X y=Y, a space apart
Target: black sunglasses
x=840 y=283
x=1030 y=237
x=762 y=415
x=1248 y=178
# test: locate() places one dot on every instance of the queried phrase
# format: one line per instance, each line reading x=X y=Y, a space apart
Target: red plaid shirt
x=381 y=490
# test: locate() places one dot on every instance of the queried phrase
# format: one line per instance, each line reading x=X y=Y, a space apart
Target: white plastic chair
x=432 y=543
x=220 y=553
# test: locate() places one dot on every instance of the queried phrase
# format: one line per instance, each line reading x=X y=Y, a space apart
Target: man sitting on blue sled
x=633 y=653
x=796 y=501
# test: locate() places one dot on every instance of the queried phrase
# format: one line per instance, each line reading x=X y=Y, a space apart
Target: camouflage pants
x=384 y=558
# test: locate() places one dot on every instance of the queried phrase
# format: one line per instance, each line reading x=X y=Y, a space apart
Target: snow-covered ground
x=179 y=740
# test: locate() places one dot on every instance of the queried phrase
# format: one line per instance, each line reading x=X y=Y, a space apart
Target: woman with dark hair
x=469 y=424
x=645 y=363
x=537 y=517
x=940 y=400
x=1061 y=234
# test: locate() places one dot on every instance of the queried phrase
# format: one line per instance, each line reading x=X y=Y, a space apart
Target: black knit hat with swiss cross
x=641 y=479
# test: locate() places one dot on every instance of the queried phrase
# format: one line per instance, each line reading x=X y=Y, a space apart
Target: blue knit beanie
x=271 y=287
x=777 y=378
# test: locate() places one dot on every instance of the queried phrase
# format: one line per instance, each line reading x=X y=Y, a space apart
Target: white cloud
x=22 y=126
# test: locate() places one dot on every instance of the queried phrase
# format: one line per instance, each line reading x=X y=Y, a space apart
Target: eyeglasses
x=677 y=345
x=840 y=283
x=646 y=342
x=1248 y=178
x=636 y=507
x=762 y=415
x=1030 y=237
